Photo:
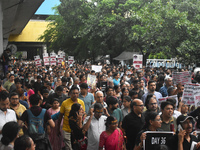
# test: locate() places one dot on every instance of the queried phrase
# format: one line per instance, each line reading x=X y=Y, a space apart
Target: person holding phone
x=183 y=139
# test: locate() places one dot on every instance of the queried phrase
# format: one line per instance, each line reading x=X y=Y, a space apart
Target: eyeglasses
x=140 y=105
x=153 y=103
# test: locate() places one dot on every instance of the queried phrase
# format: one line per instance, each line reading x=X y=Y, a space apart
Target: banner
x=70 y=60
x=91 y=81
x=53 y=59
x=181 y=77
x=46 y=58
x=156 y=138
x=96 y=68
x=191 y=94
x=37 y=60
x=137 y=61
x=163 y=99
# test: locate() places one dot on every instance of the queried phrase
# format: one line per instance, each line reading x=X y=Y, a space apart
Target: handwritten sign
x=163 y=99
x=181 y=77
x=91 y=81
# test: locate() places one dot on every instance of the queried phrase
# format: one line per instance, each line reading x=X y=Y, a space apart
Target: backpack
x=36 y=124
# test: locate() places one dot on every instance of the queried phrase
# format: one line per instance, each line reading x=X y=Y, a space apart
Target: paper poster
x=191 y=94
x=53 y=59
x=96 y=68
x=91 y=81
x=46 y=58
x=70 y=60
x=38 y=61
x=156 y=138
x=137 y=61
x=60 y=59
x=163 y=99
x=181 y=77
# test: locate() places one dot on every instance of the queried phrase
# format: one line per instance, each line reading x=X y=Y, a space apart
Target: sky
x=46 y=7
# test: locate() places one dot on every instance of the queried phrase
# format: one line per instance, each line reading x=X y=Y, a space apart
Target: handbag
x=83 y=143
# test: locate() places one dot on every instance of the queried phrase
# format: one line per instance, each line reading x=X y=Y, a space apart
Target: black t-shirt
x=173 y=142
x=132 y=124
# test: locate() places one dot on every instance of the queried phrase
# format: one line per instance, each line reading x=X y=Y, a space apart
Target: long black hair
x=74 y=109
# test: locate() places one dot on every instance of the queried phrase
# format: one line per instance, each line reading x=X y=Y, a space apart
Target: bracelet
x=140 y=145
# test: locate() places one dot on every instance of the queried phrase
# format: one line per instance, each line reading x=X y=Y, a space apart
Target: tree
x=87 y=29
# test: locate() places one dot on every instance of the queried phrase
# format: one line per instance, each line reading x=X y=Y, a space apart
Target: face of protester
x=114 y=106
x=84 y=91
x=99 y=97
x=153 y=104
x=74 y=94
x=126 y=103
x=169 y=82
x=168 y=111
x=139 y=107
x=152 y=87
x=180 y=89
x=4 y=105
x=14 y=100
x=56 y=105
x=187 y=125
x=141 y=83
x=184 y=109
x=157 y=122
x=126 y=92
x=98 y=113
x=12 y=78
x=113 y=125
x=109 y=92
x=45 y=95
x=32 y=145
x=59 y=93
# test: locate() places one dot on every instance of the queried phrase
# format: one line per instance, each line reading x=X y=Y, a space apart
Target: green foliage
x=161 y=28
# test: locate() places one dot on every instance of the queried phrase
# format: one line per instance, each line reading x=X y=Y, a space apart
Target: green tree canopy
x=88 y=28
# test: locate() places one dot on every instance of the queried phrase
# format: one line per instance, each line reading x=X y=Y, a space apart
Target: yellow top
x=65 y=109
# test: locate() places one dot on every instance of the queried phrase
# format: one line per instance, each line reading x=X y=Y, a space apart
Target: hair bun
x=5 y=140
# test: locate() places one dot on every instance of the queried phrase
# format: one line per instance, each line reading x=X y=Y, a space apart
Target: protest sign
x=137 y=61
x=46 y=58
x=160 y=100
x=181 y=77
x=37 y=60
x=70 y=60
x=96 y=68
x=156 y=138
x=53 y=59
x=60 y=59
x=191 y=95
x=91 y=81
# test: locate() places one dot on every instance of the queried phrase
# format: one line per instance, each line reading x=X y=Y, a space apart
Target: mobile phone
x=179 y=128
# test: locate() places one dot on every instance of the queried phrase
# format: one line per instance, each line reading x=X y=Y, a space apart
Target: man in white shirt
x=95 y=124
x=6 y=115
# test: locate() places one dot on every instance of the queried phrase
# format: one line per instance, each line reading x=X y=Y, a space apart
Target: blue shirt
x=163 y=91
x=157 y=94
x=88 y=100
x=116 y=82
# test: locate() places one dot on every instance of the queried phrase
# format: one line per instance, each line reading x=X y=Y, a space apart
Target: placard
x=53 y=59
x=60 y=59
x=70 y=60
x=91 y=81
x=181 y=77
x=156 y=138
x=37 y=60
x=137 y=61
x=46 y=58
x=96 y=68
x=163 y=99
x=191 y=95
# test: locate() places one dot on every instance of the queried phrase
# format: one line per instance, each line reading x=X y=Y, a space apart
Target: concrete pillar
x=1 y=29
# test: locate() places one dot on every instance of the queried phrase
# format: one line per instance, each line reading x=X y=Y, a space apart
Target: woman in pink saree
x=112 y=138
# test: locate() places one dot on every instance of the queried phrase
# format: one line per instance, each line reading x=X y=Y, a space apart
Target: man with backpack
x=37 y=119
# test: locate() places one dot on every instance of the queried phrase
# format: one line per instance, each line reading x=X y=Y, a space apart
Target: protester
x=133 y=123
x=127 y=106
x=152 y=123
x=24 y=143
x=112 y=138
x=9 y=135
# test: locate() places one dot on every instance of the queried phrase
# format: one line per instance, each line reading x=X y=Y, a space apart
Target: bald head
x=137 y=106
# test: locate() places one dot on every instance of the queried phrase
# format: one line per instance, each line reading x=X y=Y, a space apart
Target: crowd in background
x=56 y=109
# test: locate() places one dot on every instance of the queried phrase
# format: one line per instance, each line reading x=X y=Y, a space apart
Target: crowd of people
x=54 y=107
